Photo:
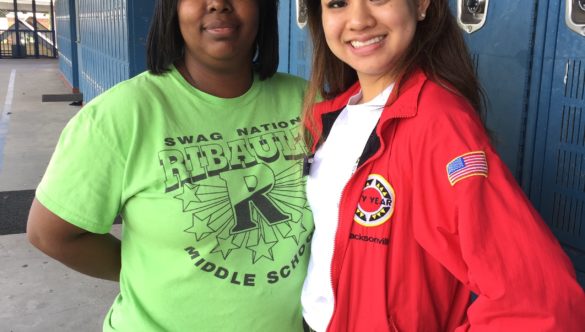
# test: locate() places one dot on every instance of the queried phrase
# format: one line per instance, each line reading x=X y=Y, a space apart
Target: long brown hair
x=438 y=48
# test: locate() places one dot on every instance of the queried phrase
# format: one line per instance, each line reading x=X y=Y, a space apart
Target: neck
x=220 y=82
x=373 y=86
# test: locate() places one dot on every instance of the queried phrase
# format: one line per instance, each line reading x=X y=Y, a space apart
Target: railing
x=27 y=44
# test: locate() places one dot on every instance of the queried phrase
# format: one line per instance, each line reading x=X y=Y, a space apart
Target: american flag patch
x=464 y=166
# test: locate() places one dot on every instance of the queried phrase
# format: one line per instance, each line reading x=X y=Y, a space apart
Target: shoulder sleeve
x=478 y=223
x=83 y=181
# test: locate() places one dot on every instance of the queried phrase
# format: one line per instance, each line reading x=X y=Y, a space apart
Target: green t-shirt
x=216 y=225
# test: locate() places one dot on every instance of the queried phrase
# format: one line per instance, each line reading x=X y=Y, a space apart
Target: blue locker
x=502 y=52
x=300 y=54
x=66 y=37
x=102 y=45
x=295 y=51
x=104 y=40
x=558 y=181
x=138 y=24
x=284 y=21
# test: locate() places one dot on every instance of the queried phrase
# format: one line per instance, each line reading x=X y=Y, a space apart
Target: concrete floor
x=31 y=128
x=36 y=292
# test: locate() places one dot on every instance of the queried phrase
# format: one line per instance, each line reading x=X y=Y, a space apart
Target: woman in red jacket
x=414 y=210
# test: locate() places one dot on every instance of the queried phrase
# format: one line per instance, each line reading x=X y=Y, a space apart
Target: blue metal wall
x=66 y=36
x=295 y=47
x=502 y=52
x=103 y=45
x=284 y=20
x=102 y=41
x=558 y=181
x=140 y=14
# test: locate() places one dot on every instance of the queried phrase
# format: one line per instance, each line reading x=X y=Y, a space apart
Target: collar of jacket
x=402 y=103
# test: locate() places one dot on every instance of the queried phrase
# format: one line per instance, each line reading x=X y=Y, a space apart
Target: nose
x=221 y=6
x=360 y=16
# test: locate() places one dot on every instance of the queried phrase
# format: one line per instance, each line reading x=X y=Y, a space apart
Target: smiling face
x=219 y=34
x=371 y=35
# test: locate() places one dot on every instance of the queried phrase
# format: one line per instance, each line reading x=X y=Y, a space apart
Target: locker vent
x=571 y=170
x=574 y=79
x=567 y=214
x=573 y=126
x=568 y=197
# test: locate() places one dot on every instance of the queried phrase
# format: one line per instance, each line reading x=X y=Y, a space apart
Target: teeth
x=358 y=44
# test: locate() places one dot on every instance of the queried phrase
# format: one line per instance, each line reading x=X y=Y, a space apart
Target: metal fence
x=27 y=44
x=29 y=29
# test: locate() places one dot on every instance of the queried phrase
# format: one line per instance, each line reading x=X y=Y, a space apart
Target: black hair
x=165 y=44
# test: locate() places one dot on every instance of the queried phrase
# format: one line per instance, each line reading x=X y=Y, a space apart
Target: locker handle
x=472 y=14
x=301 y=13
x=575 y=15
x=566 y=77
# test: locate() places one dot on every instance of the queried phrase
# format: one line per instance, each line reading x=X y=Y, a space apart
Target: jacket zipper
x=394 y=96
x=357 y=167
x=354 y=170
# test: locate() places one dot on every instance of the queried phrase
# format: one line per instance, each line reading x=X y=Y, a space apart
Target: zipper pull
x=307 y=162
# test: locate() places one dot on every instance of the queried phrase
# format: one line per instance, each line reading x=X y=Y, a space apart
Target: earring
x=422 y=16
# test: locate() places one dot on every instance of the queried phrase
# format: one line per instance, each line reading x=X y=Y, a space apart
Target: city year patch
x=376 y=204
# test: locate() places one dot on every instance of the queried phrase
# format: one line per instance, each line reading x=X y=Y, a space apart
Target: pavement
x=37 y=293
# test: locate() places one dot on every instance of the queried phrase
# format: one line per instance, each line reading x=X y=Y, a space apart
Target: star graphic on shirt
x=189 y=195
x=200 y=227
x=225 y=246
x=297 y=228
x=210 y=207
x=262 y=249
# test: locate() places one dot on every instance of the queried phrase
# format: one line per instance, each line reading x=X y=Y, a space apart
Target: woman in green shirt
x=202 y=159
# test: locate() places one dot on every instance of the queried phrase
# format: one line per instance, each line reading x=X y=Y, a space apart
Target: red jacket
x=411 y=247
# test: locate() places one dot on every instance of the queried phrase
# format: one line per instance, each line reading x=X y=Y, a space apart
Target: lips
x=366 y=42
x=220 y=25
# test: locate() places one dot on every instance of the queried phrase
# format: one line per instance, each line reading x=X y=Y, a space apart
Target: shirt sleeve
x=486 y=233
x=83 y=181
